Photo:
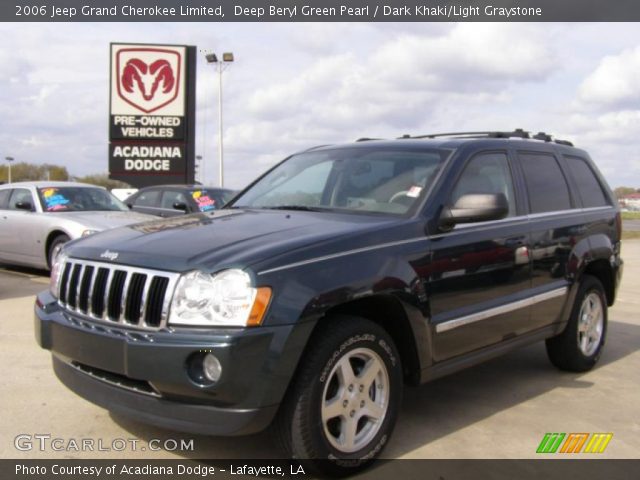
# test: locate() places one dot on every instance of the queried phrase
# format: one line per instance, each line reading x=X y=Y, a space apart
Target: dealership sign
x=152 y=117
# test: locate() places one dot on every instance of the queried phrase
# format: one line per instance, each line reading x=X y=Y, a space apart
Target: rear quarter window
x=546 y=186
x=589 y=187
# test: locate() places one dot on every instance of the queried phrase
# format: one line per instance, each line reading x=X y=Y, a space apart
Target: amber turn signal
x=260 y=304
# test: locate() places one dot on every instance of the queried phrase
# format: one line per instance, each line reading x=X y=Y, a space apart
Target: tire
x=329 y=398
x=579 y=346
x=55 y=247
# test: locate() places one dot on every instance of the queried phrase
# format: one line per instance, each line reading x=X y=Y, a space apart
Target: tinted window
x=205 y=201
x=170 y=197
x=148 y=199
x=486 y=173
x=4 y=198
x=546 y=185
x=588 y=185
x=20 y=195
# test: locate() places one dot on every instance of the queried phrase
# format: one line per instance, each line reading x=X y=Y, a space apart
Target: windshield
x=376 y=179
x=78 y=199
x=207 y=200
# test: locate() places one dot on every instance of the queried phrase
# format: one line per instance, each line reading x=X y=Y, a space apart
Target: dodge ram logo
x=148 y=78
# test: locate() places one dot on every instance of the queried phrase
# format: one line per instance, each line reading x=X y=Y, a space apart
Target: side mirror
x=24 y=206
x=180 y=206
x=130 y=205
x=474 y=207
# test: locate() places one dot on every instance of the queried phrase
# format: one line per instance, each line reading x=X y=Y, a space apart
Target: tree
x=620 y=192
x=23 y=172
x=102 y=180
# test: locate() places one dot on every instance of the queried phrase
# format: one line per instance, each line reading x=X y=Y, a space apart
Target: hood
x=104 y=220
x=221 y=239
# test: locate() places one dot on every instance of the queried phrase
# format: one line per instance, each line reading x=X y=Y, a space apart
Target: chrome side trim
x=506 y=308
x=344 y=254
x=459 y=229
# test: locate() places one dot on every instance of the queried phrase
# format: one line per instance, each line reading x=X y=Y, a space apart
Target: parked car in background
x=37 y=218
x=173 y=200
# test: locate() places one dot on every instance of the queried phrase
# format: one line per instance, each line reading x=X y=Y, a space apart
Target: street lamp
x=9 y=159
x=199 y=170
x=221 y=65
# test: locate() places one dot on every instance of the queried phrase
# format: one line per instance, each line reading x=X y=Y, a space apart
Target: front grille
x=117 y=294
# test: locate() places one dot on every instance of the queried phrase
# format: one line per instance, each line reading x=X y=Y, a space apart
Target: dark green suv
x=340 y=275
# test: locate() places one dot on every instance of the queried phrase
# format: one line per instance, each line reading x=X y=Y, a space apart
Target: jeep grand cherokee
x=340 y=275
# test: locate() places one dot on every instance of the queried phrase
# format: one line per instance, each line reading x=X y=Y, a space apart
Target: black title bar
x=320 y=11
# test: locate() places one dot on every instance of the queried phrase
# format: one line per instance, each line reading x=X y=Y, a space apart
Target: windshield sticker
x=414 y=191
x=204 y=202
x=53 y=200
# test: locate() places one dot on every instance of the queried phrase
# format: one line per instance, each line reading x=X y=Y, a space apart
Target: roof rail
x=517 y=133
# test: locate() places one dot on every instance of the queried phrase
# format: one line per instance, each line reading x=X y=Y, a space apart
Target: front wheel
x=579 y=347
x=55 y=247
x=342 y=407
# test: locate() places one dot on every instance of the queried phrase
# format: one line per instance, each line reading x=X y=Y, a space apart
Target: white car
x=37 y=218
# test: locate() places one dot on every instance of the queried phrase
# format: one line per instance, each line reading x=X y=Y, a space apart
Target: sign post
x=152 y=114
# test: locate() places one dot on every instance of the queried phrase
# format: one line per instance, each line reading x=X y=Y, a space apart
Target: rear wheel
x=342 y=407
x=55 y=247
x=579 y=347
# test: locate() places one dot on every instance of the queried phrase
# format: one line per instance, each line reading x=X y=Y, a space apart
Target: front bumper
x=146 y=375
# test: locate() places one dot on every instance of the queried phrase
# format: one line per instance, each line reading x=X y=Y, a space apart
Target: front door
x=480 y=273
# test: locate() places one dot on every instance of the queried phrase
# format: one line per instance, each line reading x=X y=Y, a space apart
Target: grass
x=631 y=215
x=630 y=235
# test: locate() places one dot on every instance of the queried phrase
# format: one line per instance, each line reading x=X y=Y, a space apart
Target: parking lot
x=500 y=409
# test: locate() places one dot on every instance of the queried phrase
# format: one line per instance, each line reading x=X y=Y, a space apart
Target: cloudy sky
x=294 y=86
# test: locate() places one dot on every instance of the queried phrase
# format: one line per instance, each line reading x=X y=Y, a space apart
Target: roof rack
x=517 y=133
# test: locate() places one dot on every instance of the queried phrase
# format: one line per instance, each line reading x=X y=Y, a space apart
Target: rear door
x=480 y=272
x=556 y=228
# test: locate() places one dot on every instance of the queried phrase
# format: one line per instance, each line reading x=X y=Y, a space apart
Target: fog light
x=211 y=367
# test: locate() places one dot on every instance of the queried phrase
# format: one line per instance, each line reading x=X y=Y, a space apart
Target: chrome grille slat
x=133 y=301
x=143 y=303
x=107 y=289
x=124 y=295
x=90 y=293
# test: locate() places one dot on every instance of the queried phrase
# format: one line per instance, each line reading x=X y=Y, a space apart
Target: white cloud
x=614 y=84
x=294 y=86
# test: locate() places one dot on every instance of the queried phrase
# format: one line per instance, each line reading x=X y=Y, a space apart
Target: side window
x=170 y=197
x=546 y=185
x=589 y=187
x=4 y=198
x=20 y=195
x=486 y=173
x=148 y=199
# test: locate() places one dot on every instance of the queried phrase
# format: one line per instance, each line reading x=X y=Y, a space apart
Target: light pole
x=221 y=65
x=199 y=170
x=9 y=159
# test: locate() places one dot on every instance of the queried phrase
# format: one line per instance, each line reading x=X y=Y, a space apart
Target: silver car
x=37 y=218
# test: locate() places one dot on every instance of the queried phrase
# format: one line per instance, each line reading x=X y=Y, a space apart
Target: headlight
x=86 y=233
x=223 y=299
x=56 y=273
